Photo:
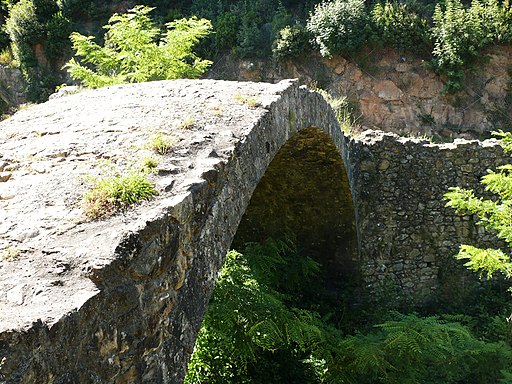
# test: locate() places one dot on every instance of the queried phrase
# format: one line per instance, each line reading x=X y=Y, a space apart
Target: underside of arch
x=305 y=194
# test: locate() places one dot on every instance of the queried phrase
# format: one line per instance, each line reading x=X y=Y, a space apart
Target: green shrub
x=253 y=40
x=4 y=11
x=58 y=30
x=494 y=215
x=23 y=25
x=292 y=42
x=133 y=52
x=27 y=27
x=339 y=26
x=396 y=25
x=226 y=31
x=459 y=34
x=6 y=57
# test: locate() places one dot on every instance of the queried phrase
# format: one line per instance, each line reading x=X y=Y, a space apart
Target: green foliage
x=226 y=31
x=4 y=37
x=6 y=57
x=339 y=26
x=58 y=30
x=260 y=328
x=248 y=315
x=397 y=25
x=494 y=215
x=412 y=349
x=32 y=24
x=133 y=51
x=459 y=34
x=161 y=144
x=292 y=42
x=342 y=110
x=84 y=9
x=256 y=28
x=114 y=192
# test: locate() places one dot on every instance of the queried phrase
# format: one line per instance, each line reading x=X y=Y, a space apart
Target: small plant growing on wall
x=341 y=108
x=188 y=123
x=161 y=144
x=250 y=101
x=149 y=163
x=11 y=253
x=109 y=194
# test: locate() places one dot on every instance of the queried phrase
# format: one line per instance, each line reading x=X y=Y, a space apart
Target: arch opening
x=305 y=193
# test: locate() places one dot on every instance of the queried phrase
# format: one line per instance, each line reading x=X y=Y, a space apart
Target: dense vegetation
x=271 y=320
x=449 y=34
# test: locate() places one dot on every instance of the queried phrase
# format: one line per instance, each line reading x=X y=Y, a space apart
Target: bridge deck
x=49 y=151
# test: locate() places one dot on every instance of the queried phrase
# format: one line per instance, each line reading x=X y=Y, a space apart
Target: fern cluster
x=413 y=349
x=261 y=327
x=248 y=314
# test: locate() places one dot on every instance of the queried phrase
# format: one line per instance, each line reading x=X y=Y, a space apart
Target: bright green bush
x=339 y=26
x=135 y=52
x=292 y=42
x=397 y=25
x=494 y=215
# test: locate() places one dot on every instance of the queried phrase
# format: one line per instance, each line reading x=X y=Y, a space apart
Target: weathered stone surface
x=405 y=231
x=12 y=87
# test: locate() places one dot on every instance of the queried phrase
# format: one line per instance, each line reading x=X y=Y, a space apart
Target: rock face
x=12 y=87
x=120 y=300
x=395 y=92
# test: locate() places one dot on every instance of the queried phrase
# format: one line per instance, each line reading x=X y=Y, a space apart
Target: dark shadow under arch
x=305 y=192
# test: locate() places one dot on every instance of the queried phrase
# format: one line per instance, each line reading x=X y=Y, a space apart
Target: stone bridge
x=120 y=300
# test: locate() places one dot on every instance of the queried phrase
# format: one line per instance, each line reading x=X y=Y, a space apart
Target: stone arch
x=139 y=282
x=299 y=116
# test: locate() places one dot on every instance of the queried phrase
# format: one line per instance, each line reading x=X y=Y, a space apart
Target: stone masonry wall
x=407 y=236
